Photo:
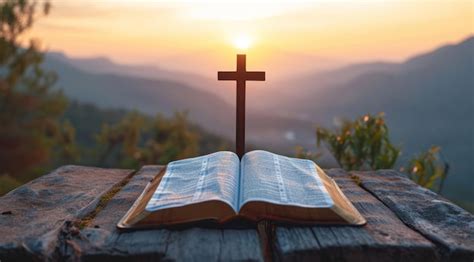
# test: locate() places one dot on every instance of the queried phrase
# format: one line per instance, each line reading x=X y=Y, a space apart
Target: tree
x=170 y=140
x=428 y=169
x=119 y=142
x=31 y=134
x=362 y=144
x=139 y=140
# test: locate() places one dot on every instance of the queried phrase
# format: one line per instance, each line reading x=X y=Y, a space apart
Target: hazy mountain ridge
x=108 y=90
x=428 y=100
x=104 y=65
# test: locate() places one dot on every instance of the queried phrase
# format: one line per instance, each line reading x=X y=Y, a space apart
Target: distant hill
x=109 y=90
x=88 y=121
x=104 y=65
x=428 y=100
x=153 y=95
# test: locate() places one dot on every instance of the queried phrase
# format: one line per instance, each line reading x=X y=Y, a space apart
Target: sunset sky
x=202 y=35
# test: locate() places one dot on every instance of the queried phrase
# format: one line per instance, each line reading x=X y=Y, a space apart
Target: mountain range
x=427 y=99
x=84 y=81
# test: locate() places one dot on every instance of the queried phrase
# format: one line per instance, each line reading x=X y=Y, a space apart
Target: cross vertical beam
x=240 y=76
x=240 y=112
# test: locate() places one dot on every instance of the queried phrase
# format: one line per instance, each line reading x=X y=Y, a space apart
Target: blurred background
x=122 y=83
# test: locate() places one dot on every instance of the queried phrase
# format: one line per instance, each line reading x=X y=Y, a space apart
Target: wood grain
x=383 y=237
x=104 y=241
x=33 y=214
x=439 y=220
x=404 y=223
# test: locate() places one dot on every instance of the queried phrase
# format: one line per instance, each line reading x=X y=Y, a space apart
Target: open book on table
x=221 y=187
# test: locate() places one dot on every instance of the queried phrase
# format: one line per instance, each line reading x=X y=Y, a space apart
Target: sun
x=242 y=42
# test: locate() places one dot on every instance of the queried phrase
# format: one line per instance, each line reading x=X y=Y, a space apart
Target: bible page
x=281 y=180
x=194 y=180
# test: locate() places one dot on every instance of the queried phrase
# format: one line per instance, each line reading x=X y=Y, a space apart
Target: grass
x=87 y=220
x=356 y=179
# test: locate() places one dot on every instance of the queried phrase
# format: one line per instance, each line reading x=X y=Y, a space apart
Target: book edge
x=121 y=224
x=352 y=216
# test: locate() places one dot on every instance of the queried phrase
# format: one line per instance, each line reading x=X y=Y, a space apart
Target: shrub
x=362 y=144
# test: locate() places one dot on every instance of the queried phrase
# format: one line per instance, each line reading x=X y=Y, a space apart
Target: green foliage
x=361 y=144
x=429 y=169
x=118 y=138
x=36 y=136
x=16 y=17
x=97 y=129
x=121 y=139
x=88 y=119
x=139 y=140
x=364 y=144
x=170 y=140
x=31 y=134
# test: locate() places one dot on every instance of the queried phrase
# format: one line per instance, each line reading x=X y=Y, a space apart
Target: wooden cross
x=241 y=75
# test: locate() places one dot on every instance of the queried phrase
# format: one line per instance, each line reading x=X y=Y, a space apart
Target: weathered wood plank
x=425 y=211
x=32 y=215
x=383 y=237
x=202 y=244
x=34 y=224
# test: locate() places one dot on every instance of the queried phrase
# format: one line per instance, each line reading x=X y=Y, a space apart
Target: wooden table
x=71 y=213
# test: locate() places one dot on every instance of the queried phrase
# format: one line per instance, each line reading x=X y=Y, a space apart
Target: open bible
x=220 y=187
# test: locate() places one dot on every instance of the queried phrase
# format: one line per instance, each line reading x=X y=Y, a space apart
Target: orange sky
x=199 y=35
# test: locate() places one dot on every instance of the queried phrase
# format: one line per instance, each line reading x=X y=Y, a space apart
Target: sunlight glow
x=238 y=10
x=242 y=42
x=315 y=35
